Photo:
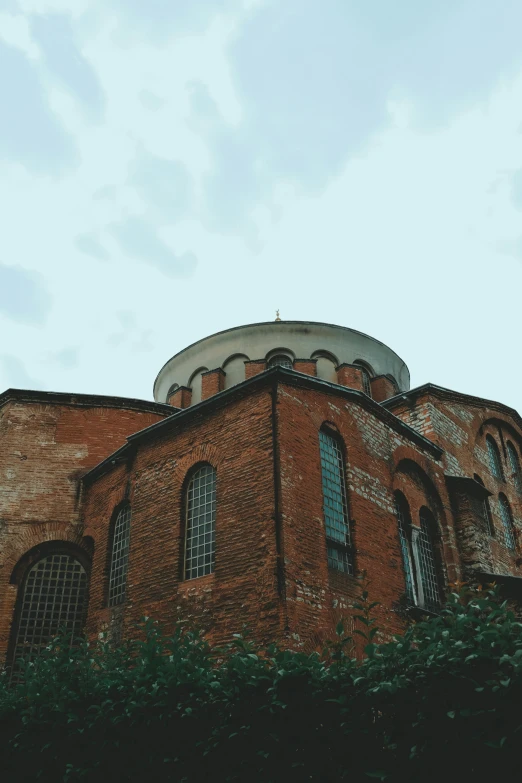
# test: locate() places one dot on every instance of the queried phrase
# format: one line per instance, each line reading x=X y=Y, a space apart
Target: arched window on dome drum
x=172 y=389
x=429 y=572
x=119 y=556
x=54 y=596
x=335 y=504
x=366 y=375
x=486 y=511
x=507 y=521
x=514 y=464
x=200 y=523
x=281 y=360
x=402 y=512
x=494 y=458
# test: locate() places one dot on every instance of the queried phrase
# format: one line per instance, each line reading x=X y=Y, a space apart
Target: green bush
x=440 y=702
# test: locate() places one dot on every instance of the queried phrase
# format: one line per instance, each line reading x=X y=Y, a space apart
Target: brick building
x=278 y=462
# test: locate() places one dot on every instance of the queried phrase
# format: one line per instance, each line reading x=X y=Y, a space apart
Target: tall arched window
x=427 y=558
x=335 y=504
x=494 y=458
x=486 y=511
x=514 y=464
x=119 y=556
x=402 y=512
x=281 y=360
x=200 y=523
x=366 y=375
x=53 y=596
x=507 y=521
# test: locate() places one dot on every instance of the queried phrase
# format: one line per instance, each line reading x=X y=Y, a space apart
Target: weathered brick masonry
x=47 y=442
x=423 y=505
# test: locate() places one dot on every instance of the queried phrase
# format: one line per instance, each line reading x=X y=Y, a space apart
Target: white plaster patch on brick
x=370 y=488
x=481 y=456
x=462 y=413
x=453 y=465
x=446 y=427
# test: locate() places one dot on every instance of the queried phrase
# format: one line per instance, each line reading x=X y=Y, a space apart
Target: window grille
x=367 y=387
x=507 y=521
x=494 y=458
x=200 y=542
x=54 y=597
x=120 y=557
x=485 y=509
x=366 y=376
x=281 y=361
x=515 y=467
x=427 y=562
x=404 y=523
x=335 y=504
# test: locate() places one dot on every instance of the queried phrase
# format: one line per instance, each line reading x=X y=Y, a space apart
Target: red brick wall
x=317 y=595
x=254 y=367
x=182 y=397
x=44 y=449
x=212 y=382
x=351 y=376
x=237 y=440
x=460 y=428
x=382 y=388
x=307 y=366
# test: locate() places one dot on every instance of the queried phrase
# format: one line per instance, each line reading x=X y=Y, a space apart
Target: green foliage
x=439 y=702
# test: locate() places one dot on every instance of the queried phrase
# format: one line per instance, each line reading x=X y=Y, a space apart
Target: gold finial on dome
x=277 y=315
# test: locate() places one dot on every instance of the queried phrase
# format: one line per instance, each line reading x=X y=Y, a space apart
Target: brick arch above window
x=495 y=462
x=199 y=499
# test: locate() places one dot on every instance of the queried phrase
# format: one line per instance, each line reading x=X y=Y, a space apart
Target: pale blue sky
x=171 y=169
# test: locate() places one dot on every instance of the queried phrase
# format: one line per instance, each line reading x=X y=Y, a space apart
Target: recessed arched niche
x=195 y=384
x=326 y=364
x=234 y=368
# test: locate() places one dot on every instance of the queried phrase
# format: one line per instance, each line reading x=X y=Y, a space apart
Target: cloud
x=30 y=133
x=516 y=188
x=66 y=358
x=314 y=81
x=150 y=100
x=91 y=246
x=158 y=19
x=23 y=295
x=54 y=34
x=127 y=319
x=510 y=247
x=16 y=375
x=162 y=183
x=139 y=240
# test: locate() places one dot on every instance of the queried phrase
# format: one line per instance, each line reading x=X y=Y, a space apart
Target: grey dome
x=331 y=345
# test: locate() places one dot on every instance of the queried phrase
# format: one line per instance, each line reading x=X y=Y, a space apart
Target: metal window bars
x=200 y=540
x=335 y=505
x=120 y=557
x=54 y=597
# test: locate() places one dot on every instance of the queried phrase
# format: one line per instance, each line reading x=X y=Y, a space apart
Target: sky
x=172 y=169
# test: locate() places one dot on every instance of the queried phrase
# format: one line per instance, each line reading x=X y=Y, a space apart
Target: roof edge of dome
x=273 y=323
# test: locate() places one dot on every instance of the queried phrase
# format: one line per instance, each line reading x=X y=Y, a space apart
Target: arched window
x=494 y=458
x=507 y=521
x=426 y=547
x=281 y=360
x=171 y=391
x=119 y=556
x=200 y=523
x=335 y=504
x=486 y=511
x=514 y=464
x=402 y=512
x=53 y=595
x=366 y=375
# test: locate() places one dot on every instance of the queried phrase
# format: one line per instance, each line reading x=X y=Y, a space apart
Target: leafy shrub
x=439 y=702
